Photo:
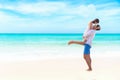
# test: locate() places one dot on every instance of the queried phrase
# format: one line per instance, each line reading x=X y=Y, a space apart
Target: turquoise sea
x=54 y=44
x=53 y=39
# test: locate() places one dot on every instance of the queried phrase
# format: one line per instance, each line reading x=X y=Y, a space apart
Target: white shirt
x=89 y=35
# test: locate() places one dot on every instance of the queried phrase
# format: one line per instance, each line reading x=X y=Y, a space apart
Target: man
x=87 y=41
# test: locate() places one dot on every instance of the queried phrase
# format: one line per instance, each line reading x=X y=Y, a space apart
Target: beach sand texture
x=104 y=68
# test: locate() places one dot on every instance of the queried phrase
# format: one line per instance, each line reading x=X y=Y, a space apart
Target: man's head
x=95 y=21
x=96 y=27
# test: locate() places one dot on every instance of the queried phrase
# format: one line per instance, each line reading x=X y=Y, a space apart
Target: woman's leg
x=76 y=42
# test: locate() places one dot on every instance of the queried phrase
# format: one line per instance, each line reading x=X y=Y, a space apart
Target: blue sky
x=58 y=16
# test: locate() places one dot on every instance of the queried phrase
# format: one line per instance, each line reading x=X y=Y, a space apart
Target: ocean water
x=49 y=45
x=53 y=39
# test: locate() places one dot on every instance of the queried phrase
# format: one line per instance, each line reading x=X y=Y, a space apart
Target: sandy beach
x=104 y=68
x=55 y=60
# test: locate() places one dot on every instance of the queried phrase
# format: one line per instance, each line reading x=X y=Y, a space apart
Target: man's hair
x=98 y=26
x=95 y=20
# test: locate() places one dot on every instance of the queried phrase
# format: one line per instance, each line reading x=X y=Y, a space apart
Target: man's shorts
x=87 y=49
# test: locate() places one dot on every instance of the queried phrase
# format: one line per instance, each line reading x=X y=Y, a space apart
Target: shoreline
x=37 y=57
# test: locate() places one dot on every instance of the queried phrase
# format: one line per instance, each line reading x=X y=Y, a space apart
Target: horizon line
x=56 y=33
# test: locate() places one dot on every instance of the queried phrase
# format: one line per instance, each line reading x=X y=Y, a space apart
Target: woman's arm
x=90 y=25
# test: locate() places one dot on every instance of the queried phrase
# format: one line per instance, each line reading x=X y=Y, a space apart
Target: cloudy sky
x=58 y=16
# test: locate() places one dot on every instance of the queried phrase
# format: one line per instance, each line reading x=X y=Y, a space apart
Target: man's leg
x=88 y=61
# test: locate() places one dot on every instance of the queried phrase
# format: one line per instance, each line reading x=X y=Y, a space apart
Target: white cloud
x=109 y=12
x=44 y=8
x=55 y=15
x=47 y=8
x=85 y=11
x=108 y=5
x=61 y=8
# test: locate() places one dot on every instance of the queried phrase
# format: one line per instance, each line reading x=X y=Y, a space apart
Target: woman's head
x=96 y=27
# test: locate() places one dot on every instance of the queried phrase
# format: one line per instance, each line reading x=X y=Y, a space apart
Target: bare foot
x=70 y=42
x=89 y=69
